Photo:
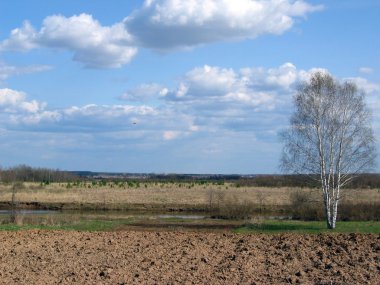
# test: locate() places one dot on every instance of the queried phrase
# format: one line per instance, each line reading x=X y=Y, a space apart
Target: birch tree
x=330 y=138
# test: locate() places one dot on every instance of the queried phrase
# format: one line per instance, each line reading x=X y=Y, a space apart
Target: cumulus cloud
x=92 y=44
x=171 y=24
x=159 y=25
x=21 y=39
x=16 y=109
x=144 y=92
x=13 y=101
x=248 y=88
x=212 y=98
x=9 y=97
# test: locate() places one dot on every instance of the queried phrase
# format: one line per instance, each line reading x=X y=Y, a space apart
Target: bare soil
x=151 y=257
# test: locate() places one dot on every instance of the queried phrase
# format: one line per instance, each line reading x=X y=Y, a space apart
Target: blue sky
x=198 y=86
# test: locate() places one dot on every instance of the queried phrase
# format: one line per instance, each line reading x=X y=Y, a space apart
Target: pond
x=126 y=219
x=26 y=212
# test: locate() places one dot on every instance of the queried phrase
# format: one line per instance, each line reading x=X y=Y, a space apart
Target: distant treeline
x=277 y=181
x=361 y=181
x=26 y=173
x=213 y=178
x=153 y=177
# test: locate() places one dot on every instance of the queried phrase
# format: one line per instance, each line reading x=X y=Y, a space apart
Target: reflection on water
x=71 y=216
x=191 y=217
x=125 y=219
x=26 y=212
x=124 y=214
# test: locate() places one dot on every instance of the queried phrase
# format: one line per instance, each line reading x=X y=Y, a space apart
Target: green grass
x=273 y=227
x=266 y=226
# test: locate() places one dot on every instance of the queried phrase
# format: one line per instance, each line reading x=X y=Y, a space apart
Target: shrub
x=303 y=208
x=228 y=206
x=359 y=211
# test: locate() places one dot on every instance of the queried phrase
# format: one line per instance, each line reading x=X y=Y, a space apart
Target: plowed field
x=145 y=257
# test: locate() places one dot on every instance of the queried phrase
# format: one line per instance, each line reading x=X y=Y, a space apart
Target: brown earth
x=143 y=257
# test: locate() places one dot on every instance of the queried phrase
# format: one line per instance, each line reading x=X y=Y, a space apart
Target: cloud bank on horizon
x=214 y=118
x=207 y=99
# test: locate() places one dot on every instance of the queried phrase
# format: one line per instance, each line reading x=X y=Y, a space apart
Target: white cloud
x=94 y=118
x=170 y=24
x=7 y=71
x=181 y=91
x=207 y=100
x=212 y=78
x=32 y=106
x=212 y=110
x=37 y=118
x=216 y=98
x=9 y=97
x=366 y=70
x=237 y=116
x=206 y=82
x=159 y=25
x=21 y=39
x=15 y=109
x=282 y=77
x=207 y=97
x=253 y=99
x=13 y=101
x=144 y=92
x=222 y=88
x=170 y=135
x=366 y=85
x=109 y=110
x=93 y=45
x=305 y=75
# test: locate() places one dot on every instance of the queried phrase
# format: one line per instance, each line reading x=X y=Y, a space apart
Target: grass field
x=310 y=227
x=265 y=226
x=119 y=196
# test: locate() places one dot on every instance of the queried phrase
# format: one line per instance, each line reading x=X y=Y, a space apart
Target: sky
x=170 y=86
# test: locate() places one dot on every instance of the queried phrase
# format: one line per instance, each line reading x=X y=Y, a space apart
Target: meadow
x=123 y=195
x=99 y=205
